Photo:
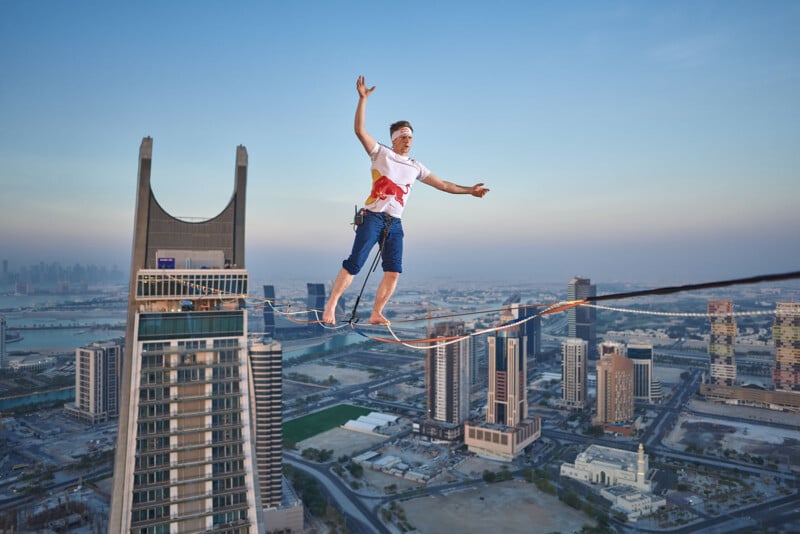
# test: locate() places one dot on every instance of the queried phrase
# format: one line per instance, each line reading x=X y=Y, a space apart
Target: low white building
x=610 y=467
x=371 y=423
x=632 y=502
x=622 y=475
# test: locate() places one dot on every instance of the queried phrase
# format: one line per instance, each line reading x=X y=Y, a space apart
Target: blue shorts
x=368 y=234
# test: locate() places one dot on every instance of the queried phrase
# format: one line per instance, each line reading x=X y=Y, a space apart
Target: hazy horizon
x=624 y=141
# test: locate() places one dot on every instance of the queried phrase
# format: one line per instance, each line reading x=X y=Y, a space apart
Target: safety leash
x=387 y=223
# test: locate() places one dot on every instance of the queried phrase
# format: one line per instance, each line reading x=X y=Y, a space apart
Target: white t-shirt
x=392 y=178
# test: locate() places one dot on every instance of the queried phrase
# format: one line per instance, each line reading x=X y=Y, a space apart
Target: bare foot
x=378 y=318
x=329 y=315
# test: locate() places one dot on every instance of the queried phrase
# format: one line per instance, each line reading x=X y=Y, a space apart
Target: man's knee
x=351 y=267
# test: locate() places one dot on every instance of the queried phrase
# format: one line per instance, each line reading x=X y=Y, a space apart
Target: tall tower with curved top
x=185 y=459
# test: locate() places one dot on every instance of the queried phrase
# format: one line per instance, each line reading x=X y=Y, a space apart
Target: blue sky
x=640 y=141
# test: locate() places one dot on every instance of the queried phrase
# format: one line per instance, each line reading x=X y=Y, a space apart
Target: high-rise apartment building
x=185 y=460
x=574 y=356
x=508 y=429
x=282 y=510
x=721 y=343
x=96 y=382
x=507 y=397
x=447 y=383
x=581 y=319
x=786 y=334
x=3 y=327
x=614 y=389
x=641 y=354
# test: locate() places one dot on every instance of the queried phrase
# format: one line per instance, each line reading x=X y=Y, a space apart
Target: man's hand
x=361 y=86
x=478 y=190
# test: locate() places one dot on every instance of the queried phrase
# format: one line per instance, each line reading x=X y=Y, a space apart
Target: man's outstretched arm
x=361 y=113
x=476 y=190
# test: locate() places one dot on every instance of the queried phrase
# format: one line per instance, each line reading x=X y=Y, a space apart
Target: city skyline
x=638 y=142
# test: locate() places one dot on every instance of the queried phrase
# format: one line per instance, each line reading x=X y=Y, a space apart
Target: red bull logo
x=383 y=188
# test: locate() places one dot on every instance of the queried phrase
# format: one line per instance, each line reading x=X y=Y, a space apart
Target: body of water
x=333 y=343
x=33 y=310
x=62 y=339
x=60 y=395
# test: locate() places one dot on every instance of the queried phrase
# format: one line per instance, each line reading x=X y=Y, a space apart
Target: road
x=360 y=518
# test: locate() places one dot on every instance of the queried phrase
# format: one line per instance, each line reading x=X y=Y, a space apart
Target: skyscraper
x=580 y=320
x=786 y=334
x=184 y=459
x=3 y=327
x=721 y=343
x=269 y=312
x=96 y=382
x=316 y=303
x=614 y=389
x=282 y=511
x=532 y=330
x=447 y=383
x=642 y=356
x=508 y=429
x=573 y=372
x=478 y=361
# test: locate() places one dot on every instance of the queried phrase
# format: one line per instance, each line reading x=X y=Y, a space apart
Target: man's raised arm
x=361 y=112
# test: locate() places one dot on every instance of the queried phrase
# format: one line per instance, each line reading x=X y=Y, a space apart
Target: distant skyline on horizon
x=623 y=141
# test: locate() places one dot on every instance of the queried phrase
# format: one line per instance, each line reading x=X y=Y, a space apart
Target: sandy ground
x=378 y=481
x=403 y=392
x=745 y=438
x=341 y=441
x=345 y=376
x=506 y=507
x=475 y=466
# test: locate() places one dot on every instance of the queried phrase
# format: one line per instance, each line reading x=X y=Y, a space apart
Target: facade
x=185 y=457
x=721 y=342
x=641 y=354
x=96 y=382
x=447 y=383
x=574 y=354
x=786 y=333
x=614 y=390
x=508 y=429
x=581 y=319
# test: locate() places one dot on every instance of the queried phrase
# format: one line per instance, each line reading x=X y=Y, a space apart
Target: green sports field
x=297 y=430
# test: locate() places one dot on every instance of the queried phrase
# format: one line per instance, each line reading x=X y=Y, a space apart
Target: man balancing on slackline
x=393 y=174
